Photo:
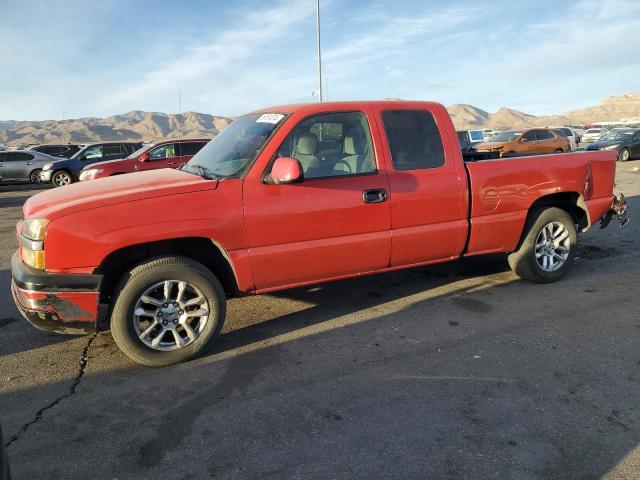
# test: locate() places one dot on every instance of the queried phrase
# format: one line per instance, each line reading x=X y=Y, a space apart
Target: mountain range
x=139 y=125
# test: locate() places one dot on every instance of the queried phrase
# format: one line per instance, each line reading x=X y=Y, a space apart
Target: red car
x=289 y=196
x=165 y=154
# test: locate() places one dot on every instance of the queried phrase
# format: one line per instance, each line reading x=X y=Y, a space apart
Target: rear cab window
x=414 y=139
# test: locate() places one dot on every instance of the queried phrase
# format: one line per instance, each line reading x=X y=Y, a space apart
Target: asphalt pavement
x=455 y=371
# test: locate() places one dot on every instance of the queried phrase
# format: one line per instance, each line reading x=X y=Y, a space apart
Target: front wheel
x=548 y=248
x=61 y=178
x=624 y=155
x=559 y=150
x=35 y=177
x=167 y=310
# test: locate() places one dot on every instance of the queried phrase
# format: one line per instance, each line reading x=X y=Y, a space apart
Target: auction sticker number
x=270 y=118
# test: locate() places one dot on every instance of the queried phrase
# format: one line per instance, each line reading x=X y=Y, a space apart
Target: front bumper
x=56 y=303
x=45 y=175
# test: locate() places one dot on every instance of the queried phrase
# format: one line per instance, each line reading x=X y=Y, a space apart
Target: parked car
x=165 y=154
x=625 y=141
x=535 y=140
x=290 y=196
x=57 y=150
x=64 y=172
x=469 y=138
x=570 y=135
x=23 y=166
x=593 y=134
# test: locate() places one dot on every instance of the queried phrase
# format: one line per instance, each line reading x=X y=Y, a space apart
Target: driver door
x=163 y=156
x=334 y=223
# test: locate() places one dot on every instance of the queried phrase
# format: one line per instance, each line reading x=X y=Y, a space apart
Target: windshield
x=505 y=136
x=476 y=135
x=140 y=150
x=233 y=150
x=618 y=135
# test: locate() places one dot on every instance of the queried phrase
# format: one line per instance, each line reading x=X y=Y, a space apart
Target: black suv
x=61 y=151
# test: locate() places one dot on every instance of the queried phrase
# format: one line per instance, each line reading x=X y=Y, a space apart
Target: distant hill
x=135 y=125
x=139 y=125
x=611 y=109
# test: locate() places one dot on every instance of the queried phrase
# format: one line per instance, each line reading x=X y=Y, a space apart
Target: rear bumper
x=56 y=303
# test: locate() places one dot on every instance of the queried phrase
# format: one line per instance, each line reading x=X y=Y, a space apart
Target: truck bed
x=503 y=190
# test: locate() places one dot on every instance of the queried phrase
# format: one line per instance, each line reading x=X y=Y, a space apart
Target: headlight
x=32 y=242
x=89 y=173
x=47 y=166
x=35 y=228
x=611 y=147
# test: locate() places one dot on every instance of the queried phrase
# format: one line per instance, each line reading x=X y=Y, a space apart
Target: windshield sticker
x=269 y=118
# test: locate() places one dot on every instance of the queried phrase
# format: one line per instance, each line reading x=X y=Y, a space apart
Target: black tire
x=34 y=177
x=523 y=261
x=624 y=155
x=62 y=178
x=137 y=281
x=559 y=150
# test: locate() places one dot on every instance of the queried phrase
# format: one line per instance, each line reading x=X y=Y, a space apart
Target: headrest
x=307 y=144
x=352 y=145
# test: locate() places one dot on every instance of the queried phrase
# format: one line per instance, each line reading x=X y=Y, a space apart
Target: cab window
x=163 y=151
x=93 y=152
x=544 y=135
x=414 y=139
x=331 y=145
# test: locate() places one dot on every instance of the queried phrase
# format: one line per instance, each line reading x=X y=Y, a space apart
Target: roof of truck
x=330 y=106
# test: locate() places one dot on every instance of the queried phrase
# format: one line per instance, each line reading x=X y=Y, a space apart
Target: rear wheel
x=61 y=178
x=35 y=177
x=548 y=248
x=167 y=310
x=624 y=155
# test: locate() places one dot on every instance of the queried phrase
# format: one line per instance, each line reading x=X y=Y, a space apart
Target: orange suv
x=535 y=140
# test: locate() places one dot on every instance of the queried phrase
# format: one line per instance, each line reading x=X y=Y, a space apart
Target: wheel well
x=203 y=250
x=572 y=202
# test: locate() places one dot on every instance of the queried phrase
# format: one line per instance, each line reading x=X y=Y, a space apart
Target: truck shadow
x=515 y=407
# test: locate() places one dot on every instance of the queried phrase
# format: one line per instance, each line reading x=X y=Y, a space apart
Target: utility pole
x=179 y=112
x=319 y=57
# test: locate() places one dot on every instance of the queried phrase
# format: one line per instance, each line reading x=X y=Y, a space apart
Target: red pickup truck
x=290 y=196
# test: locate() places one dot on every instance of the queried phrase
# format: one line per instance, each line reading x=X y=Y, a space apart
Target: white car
x=593 y=135
x=570 y=134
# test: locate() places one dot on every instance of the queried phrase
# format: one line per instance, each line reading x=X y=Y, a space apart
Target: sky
x=79 y=58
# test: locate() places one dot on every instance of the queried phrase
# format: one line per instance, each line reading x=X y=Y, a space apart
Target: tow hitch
x=619 y=209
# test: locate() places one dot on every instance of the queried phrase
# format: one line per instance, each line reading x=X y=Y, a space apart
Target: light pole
x=319 y=57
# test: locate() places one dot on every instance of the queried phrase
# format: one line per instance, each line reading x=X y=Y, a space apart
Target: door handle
x=29 y=163
x=374 y=196
x=171 y=163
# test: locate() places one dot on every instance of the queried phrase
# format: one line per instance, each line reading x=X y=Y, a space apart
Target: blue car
x=64 y=172
x=625 y=140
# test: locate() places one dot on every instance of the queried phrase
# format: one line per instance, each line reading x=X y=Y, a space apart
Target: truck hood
x=488 y=145
x=102 y=192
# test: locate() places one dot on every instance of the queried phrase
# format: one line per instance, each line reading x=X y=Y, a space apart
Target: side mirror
x=285 y=170
x=523 y=140
x=143 y=157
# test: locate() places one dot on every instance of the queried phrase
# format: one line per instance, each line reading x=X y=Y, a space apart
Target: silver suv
x=23 y=166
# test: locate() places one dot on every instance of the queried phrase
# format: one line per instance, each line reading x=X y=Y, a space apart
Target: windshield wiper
x=202 y=171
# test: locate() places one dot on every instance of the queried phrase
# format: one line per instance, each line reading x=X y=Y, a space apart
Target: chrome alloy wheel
x=62 y=179
x=170 y=315
x=553 y=246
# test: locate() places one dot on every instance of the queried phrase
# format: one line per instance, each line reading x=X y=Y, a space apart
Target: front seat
x=305 y=152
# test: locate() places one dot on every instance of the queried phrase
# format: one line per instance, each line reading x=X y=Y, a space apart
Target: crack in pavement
x=72 y=390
